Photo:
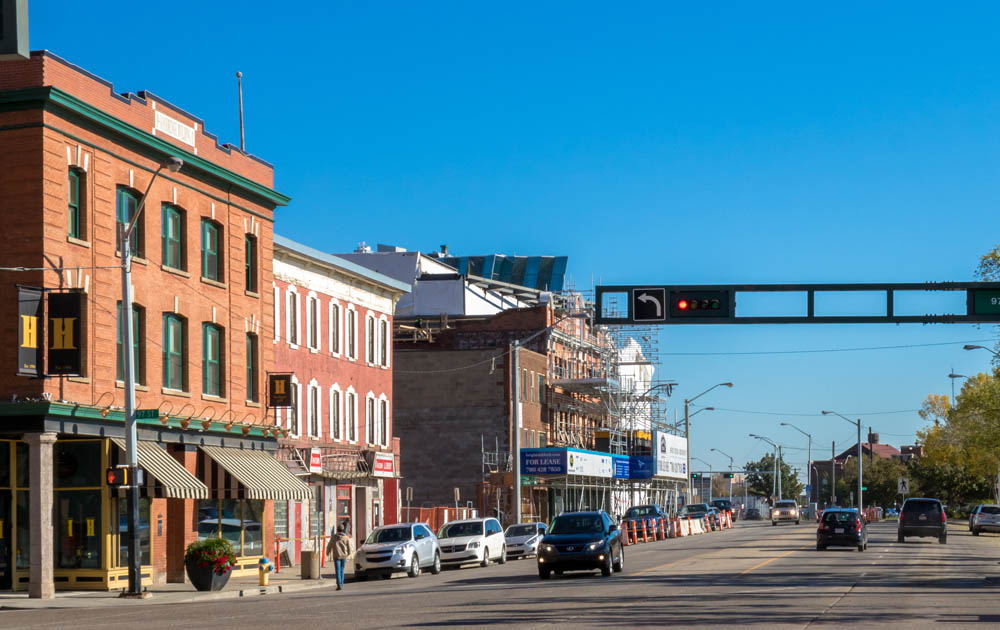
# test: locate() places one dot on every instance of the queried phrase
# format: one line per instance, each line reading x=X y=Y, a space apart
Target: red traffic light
x=117 y=476
x=683 y=305
x=701 y=304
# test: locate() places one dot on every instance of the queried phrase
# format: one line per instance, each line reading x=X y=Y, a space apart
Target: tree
x=880 y=476
x=761 y=472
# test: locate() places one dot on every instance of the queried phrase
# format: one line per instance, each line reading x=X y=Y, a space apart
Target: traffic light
x=118 y=476
x=699 y=304
x=694 y=475
x=730 y=475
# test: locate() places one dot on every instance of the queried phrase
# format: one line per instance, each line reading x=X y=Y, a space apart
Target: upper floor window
x=250 y=262
x=253 y=368
x=293 y=411
x=334 y=327
x=384 y=421
x=174 y=352
x=383 y=342
x=370 y=420
x=313 y=322
x=211 y=260
x=138 y=326
x=370 y=339
x=75 y=196
x=352 y=333
x=335 y=415
x=352 y=416
x=126 y=204
x=314 y=415
x=211 y=360
x=173 y=237
x=292 y=317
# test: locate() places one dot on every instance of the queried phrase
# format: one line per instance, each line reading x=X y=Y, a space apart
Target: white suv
x=474 y=540
x=406 y=547
x=785 y=510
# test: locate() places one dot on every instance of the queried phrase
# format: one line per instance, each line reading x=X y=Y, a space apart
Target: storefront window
x=281 y=519
x=253 y=527
x=4 y=464
x=208 y=518
x=232 y=523
x=78 y=464
x=77 y=517
x=238 y=521
x=22 y=465
x=23 y=531
x=121 y=513
x=316 y=511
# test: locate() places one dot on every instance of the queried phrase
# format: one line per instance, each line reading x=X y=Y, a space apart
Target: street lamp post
x=775 y=480
x=730 y=471
x=516 y=402
x=809 y=466
x=687 y=430
x=953 y=376
x=173 y=165
x=858 y=424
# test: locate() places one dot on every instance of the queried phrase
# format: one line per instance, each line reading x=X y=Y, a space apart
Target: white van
x=478 y=540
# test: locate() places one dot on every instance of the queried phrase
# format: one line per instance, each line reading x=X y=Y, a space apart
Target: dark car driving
x=639 y=514
x=581 y=541
x=724 y=505
x=924 y=518
x=842 y=528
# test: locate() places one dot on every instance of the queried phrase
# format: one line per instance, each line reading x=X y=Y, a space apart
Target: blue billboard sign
x=641 y=467
x=543 y=461
x=621 y=466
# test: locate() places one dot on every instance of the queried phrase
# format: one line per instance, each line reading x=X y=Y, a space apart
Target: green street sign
x=147 y=414
x=986 y=302
x=864 y=488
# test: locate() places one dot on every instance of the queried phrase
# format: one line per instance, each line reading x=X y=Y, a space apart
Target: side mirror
x=612 y=528
x=420 y=536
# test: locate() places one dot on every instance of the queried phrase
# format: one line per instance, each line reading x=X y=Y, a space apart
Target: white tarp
x=671 y=456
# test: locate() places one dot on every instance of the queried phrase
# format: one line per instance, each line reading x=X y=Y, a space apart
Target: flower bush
x=211 y=552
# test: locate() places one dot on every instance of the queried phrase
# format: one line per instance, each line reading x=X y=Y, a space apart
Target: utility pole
x=515 y=394
x=833 y=473
x=781 y=495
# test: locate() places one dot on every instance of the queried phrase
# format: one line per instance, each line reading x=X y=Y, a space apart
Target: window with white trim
x=384 y=342
x=335 y=328
x=352 y=333
x=277 y=313
x=370 y=339
x=292 y=316
x=312 y=321
x=293 y=411
x=370 y=424
x=351 y=412
x=336 y=413
x=383 y=417
x=315 y=413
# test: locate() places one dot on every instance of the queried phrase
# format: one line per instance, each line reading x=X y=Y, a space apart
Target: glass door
x=6 y=563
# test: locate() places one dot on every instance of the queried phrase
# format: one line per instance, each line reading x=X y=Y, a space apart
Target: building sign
x=384 y=465
x=174 y=128
x=588 y=463
x=641 y=467
x=279 y=390
x=543 y=461
x=315 y=460
x=65 y=354
x=671 y=456
x=29 y=327
x=621 y=466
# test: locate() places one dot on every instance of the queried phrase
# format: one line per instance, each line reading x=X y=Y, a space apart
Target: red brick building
x=77 y=158
x=333 y=333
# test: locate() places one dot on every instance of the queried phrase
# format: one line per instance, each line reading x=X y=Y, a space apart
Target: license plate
x=923 y=517
x=839 y=530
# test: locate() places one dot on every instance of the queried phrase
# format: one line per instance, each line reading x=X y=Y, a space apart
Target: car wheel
x=544 y=574
x=559 y=571
x=414 y=570
x=975 y=532
x=606 y=568
x=820 y=547
x=503 y=555
x=900 y=538
x=797 y=522
x=360 y=576
x=861 y=547
x=620 y=565
x=943 y=540
x=774 y=523
x=385 y=576
x=436 y=567
x=486 y=557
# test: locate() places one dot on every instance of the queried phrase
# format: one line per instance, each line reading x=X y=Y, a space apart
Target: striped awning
x=177 y=482
x=261 y=475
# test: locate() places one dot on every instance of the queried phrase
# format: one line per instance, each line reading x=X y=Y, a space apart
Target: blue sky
x=654 y=143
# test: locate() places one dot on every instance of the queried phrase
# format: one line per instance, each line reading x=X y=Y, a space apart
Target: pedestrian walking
x=341 y=548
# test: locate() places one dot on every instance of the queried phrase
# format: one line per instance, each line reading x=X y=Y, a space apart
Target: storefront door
x=6 y=557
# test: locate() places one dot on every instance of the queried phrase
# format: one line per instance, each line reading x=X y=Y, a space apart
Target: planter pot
x=205 y=578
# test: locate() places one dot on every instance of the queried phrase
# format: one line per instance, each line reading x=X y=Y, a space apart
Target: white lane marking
x=767 y=590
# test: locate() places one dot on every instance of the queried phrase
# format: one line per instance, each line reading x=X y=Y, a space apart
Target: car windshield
x=922 y=507
x=695 y=507
x=989 y=509
x=577 y=524
x=456 y=530
x=521 y=530
x=839 y=517
x=785 y=504
x=642 y=510
x=721 y=504
x=389 y=535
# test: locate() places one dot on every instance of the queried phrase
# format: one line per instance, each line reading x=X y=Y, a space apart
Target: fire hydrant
x=264 y=568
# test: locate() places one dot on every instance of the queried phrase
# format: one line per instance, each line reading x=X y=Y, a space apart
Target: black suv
x=581 y=541
x=925 y=518
x=650 y=514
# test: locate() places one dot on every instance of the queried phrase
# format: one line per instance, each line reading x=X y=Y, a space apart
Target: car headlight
x=548 y=548
x=531 y=541
x=401 y=548
x=474 y=545
x=597 y=544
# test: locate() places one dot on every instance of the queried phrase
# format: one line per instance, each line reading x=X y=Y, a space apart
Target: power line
x=810 y=415
x=823 y=350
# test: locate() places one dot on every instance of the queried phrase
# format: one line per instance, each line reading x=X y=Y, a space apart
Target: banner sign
x=621 y=466
x=315 y=460
x=543 y=461
x=384 y=465
x=29 y=318
x=641 y=467
x=671 y=455
x=65 y=314
x=279 y=390
x=588 y=463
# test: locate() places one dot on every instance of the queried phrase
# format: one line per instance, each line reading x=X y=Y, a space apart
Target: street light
x=515 y=395
x=776 y=477
x=970 y=346
x=687 y=429
x=730 y=472
x=172 y=164
x=953 y=376
x=858 y=424
x=788 y=424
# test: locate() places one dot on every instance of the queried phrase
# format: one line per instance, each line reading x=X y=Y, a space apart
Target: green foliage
x=881 y=476
x=211 y=552
x=760 y=473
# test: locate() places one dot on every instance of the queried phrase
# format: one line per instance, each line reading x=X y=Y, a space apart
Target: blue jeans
x=339 y=564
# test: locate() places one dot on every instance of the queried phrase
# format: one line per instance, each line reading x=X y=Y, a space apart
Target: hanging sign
x=279 y=390
x=65 y=354
x=29 y=327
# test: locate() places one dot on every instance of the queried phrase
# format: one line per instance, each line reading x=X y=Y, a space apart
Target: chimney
x=444 y=250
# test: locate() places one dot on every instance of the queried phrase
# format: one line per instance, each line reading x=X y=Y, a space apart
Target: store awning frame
x=261 y=475
x=176 y=481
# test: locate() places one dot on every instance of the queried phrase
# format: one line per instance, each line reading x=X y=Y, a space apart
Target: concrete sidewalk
x=288 y=581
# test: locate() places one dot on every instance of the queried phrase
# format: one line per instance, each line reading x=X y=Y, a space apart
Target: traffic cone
x=645 y=538
x=625 y=534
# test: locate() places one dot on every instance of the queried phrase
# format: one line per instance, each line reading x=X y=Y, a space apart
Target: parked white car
x=985 y=518
x=477 y=540
x=522 y=539
x=404 y=547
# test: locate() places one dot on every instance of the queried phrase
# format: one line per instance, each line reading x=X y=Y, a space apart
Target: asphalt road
x=754 y=575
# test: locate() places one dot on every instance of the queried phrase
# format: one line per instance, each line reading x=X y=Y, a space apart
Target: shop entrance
x=6 y=555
